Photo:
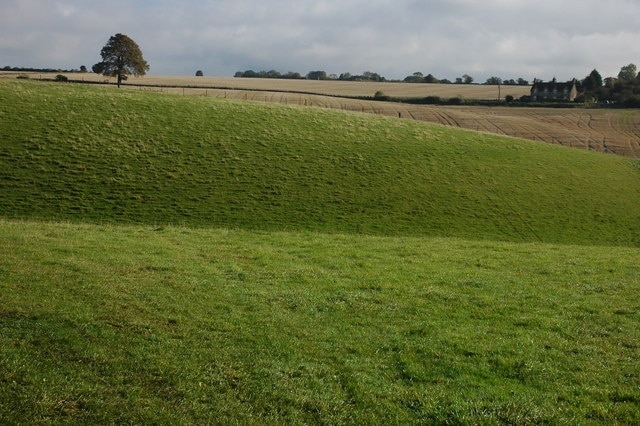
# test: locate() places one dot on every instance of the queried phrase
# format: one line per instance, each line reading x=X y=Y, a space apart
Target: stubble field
x=321 y=87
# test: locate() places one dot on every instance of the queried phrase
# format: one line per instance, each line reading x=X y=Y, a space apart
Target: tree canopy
x=628 y=73
x=623 y=91
x=121 y=57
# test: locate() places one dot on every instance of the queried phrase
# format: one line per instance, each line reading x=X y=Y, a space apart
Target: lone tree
x=121 y=56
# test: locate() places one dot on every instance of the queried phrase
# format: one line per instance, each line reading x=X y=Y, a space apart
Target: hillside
x=180 y=260
x=95 y=154
x=609 y=130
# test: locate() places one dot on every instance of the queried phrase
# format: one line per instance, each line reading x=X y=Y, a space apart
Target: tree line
x=311 y=75
x=83 y=68
x=622 y=90
x=416 y=77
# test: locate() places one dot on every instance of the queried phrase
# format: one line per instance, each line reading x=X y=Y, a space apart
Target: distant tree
x=416 y=77
x=372 y=76
x=121 y=57
x=246 y=74
x=199 y=73
x=316 y=75
x=609 y=82
x=467 y=79
x=494 y=80
x=592 y=82
x=431 y=79
x=379 y=95
x=62 y=78
x=628 y=73
x=83 y=68
x=522 y=82
x=345 y=76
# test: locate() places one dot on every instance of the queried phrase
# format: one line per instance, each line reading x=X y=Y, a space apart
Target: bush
x=23 y=77
x=456 y=101
x=61 y=77
x=380 y=96
x=199 y=73
x=632 y=102
x=434 y=100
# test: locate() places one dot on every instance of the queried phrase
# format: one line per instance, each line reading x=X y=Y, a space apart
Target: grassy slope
x=94 y=154
x=103 y=324
x=144 y=324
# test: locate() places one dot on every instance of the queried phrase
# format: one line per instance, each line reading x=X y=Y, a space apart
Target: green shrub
x=380 y=96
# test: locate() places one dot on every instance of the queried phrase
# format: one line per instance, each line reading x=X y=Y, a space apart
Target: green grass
x=91 y=154
x=178 y=260
x=103 y=324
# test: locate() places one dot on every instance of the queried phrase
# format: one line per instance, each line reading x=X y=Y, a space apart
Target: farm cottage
x=554 y=91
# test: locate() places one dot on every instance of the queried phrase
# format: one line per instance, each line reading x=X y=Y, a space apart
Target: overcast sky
x=395 y=38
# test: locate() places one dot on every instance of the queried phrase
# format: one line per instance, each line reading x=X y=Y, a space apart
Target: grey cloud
x=507 y=38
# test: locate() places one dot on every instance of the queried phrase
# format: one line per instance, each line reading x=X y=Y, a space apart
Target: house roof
x=538 y=84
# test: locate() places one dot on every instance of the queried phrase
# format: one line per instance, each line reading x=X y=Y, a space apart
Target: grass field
x=104 y=324
x=92 y=153
x=189 y=260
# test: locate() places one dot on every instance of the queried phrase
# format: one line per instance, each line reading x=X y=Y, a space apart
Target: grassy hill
x=169 y=259
x=94 y=154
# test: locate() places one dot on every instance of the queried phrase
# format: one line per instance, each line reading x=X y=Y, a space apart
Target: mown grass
x=136 y=324
x=94 y=154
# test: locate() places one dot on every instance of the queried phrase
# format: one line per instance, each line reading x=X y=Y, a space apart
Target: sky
x=447 y=38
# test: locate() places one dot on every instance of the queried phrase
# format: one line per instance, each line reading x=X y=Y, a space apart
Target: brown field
x=604 y=130
x=324 y=87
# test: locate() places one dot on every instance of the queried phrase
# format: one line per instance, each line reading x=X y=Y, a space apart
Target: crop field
x=170 y=259
x=323 y=87
x=603 y=130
